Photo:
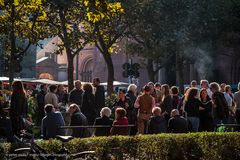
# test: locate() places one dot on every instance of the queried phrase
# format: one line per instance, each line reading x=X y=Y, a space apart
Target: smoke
x=201 y=59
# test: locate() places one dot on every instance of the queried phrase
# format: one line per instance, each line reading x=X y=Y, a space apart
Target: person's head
x=214 y=87
x=165 y=89
x=132 y=88
x=174 y=113
x=87 y=87
x=222 y=87
x=191 y=93
x=121 y=93
x=73 y=108
x=193 y=83
x=53 y=88
x=78 y=84
x=204 y=84
x=174 y=90
x=186 y=89
x=44 y=87
x=204 y=94
x=157 y=86
x=228 y=89
x=105 y=111
x=96 y=82
x=156 y=111
x=151 y=85
x=120 y=113
x=147 y=89
x=48 y=108
x=60 y=88
x=18 y=87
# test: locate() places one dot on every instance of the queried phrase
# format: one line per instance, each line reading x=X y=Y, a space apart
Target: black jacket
x=177 y=124
x=157 y=124
x=75 y=96
x=103 y=121
x=78 y=119
x=100 y=97
x=88 y=107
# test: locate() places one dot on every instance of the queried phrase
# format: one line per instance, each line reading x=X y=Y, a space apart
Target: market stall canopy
x=65 y=83
x=116 y=83
x=46 y=81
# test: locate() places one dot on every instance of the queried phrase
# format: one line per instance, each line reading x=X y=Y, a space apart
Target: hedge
x=192 y=146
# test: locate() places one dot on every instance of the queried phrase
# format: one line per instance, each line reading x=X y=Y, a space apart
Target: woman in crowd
x=206 y=118
x=120 y=119
x=166 y=105
x=88 y=104
x=175 y=97
x=192 y=107
x=103 y=120
x=18 y=107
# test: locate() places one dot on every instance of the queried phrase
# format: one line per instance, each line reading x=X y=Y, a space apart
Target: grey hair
x=132 y=87
x=156 y=109
x=75 y=105
x=105 y=111
x=214 y=86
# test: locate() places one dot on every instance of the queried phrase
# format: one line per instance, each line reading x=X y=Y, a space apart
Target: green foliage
x=207 y=146
x=32 y=106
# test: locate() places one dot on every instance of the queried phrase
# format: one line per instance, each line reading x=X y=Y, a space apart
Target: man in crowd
x=75 y=95
x=205 y=84
x=144 y=103
x=220 y=106
x=51 y=123
x=99 y=95
x=157 y=123
x=177 y=124
x=78 y=119
x=237 y=101
x=41 y=103
x=51 y=97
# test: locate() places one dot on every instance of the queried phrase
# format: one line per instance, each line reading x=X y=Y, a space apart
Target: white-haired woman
x=104 y=120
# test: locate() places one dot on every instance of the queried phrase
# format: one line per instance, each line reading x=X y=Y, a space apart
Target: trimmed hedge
x=199 y=146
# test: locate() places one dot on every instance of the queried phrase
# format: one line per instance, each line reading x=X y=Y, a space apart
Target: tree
x=64 y=19
x=20 y=23
x=104 y=25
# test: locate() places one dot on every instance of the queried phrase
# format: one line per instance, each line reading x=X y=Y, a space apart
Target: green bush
x=192 y=146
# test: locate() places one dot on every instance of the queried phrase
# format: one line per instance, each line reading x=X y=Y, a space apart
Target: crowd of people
x=154 y=109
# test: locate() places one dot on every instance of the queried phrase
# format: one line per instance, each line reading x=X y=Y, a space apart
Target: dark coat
x=50 y=125
x=88 y=107
x=103 y=121
x=178 y=124
x=157 y=124
x=220 y=111
x=99 y=98
x=75 y=96
x=78 y=119
x=40 y=106
x=18 y=110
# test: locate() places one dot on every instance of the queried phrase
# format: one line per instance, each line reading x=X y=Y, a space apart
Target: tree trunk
x=67 y=45
x=108 y=60
x=13 y=47
x=179 y=72
x=151 y=73
x=70 y=71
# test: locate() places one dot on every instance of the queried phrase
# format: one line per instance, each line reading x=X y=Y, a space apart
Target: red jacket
x=120 y=130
